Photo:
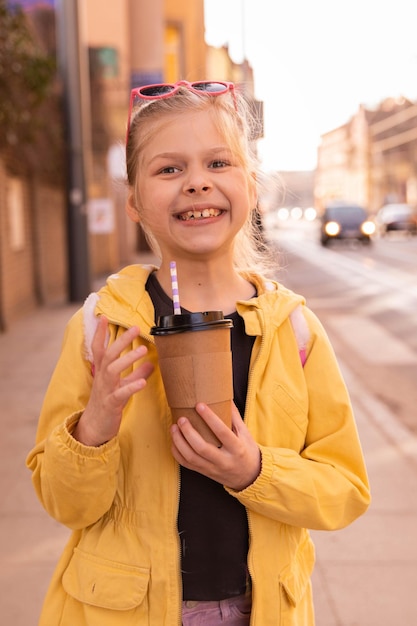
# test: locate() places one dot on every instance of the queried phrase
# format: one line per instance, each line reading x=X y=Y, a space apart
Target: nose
x=197 y=182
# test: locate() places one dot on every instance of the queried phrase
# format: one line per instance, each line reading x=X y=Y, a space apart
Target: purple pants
x=233 y=611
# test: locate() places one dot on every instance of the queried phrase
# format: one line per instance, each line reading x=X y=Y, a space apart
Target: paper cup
x=195 y=360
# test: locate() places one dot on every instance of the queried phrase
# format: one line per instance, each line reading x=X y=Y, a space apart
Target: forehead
x=188 y=128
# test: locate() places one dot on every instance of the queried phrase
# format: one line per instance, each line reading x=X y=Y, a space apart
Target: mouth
x=199 y=214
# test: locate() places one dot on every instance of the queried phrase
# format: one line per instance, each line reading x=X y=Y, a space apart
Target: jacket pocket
x=295 y=586
x=103 y=583
x=290 y=407
x=293 y=419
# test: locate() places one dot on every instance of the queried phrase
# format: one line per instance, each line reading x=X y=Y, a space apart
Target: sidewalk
x=365 y=575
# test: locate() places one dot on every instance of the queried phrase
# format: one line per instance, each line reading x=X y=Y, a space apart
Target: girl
x=169 y=529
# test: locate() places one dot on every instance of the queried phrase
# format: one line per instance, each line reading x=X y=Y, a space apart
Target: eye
x=219 y=163
x=170 y=169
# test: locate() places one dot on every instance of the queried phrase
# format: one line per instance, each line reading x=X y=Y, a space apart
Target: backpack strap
x=301 y=332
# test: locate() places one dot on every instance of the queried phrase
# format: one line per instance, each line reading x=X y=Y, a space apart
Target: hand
x=110 y=392
x=236 y=464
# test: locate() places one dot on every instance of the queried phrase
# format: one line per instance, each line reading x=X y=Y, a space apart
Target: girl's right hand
x=110 y=392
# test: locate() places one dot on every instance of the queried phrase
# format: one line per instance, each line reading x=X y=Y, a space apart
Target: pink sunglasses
x=166 y=90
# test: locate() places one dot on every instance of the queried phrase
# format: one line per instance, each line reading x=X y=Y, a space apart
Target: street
x=366 y=298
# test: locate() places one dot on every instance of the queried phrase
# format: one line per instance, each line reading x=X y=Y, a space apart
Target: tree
x=30 y=123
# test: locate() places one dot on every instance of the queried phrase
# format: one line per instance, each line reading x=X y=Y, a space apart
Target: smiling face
x=192 y=192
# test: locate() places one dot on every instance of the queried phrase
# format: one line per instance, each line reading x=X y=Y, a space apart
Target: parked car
x=345 y=221
x=397 y=217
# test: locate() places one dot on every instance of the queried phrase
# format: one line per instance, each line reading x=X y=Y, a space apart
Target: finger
x=143 y=371
x=177 y=440
x=238 y=425
x=124 y=392
x=188 y=438
x=123 y=342
x=110 y=358
x=222 y=431
x=236 y=416
x=98 y=345
x=119 y=364
x=195 y=452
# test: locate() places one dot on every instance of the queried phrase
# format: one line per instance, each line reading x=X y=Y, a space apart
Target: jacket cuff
x=65 y=430
x=253 y=491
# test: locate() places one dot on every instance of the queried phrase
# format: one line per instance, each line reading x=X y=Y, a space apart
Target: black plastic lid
x=170 y=324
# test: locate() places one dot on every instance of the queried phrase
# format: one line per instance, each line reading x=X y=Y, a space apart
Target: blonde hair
x=238 y=127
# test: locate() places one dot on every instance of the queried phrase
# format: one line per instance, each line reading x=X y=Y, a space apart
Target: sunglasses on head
x=166 y=90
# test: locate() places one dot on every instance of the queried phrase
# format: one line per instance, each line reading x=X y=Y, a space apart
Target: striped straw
x=174 y=286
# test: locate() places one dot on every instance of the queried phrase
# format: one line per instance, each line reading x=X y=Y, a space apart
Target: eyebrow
x=172 y=155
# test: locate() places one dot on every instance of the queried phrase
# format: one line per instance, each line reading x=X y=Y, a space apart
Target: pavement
x=365 y=574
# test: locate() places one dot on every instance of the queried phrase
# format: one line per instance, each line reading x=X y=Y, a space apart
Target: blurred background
x=333 y=89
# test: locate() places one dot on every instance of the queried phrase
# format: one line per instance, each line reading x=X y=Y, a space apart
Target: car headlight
x=368 y=228
x=332 y=229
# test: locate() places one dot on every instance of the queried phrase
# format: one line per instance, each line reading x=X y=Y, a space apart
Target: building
x=122 y=44
x=372 y=159
x=131 y=43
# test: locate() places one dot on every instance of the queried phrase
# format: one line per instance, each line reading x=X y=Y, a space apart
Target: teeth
x=196 y=215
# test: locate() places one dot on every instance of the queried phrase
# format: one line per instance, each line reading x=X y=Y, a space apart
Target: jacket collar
x=125 y=301
x=272 y=305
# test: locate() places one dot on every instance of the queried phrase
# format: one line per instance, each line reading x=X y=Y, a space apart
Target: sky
x=315 y=62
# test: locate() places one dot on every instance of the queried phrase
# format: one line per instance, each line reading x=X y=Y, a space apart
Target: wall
x=33 y=266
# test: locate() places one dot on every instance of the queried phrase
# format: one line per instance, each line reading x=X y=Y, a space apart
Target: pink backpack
x=301 y=332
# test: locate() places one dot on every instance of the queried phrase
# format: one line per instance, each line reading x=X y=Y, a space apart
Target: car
x=345 y=221
x=397 y=217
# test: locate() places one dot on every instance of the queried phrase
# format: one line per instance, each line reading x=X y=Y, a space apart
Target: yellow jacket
x=122 y=562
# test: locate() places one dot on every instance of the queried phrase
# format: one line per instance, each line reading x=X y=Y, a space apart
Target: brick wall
x=18 y=294
x=50 y=244
x=33 y=255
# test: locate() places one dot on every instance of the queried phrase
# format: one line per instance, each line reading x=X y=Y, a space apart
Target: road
x=366 y=296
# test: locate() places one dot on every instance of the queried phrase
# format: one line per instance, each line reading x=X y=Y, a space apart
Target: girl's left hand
x=236 y=464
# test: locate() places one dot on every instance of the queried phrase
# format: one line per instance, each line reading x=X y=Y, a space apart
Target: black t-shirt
x=212 y=524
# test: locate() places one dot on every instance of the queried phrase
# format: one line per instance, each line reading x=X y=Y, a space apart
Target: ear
x=131 y=209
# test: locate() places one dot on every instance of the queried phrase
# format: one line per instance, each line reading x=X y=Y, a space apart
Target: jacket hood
x=125 y=301
x=273 y=304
